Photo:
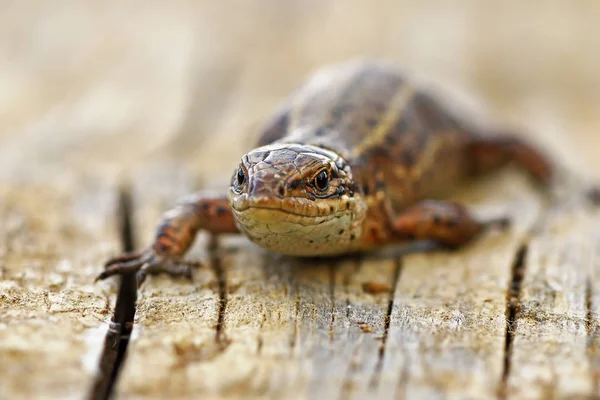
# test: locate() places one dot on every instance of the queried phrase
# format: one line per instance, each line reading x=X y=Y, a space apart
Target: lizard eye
x=321 y=182
x=239 y=180
x=241 y=177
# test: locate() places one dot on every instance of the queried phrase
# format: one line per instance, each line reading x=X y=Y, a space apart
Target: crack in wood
x=388 y=317
x=294 y=337
x=259 y=339
x=592 y=337
x=512 y=308
x=346 y=284
x=591 y=316
x=220 y=336
x=347 y=384
x=332 y=297
x=117 y=338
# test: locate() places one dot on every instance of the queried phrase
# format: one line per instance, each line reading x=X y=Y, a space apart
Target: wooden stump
x=93 y=152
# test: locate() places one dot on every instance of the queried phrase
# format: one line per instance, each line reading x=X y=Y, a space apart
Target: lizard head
x=297 y=199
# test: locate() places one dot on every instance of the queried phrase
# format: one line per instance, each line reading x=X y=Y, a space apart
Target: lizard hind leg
x=492 y=151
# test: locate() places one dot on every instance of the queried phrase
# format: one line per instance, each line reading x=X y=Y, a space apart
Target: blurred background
x=113 y=84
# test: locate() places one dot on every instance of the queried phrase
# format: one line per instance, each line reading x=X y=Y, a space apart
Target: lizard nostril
x=281 y=191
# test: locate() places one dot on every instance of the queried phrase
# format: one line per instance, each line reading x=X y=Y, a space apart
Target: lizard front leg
x=447 y=224
x=174 y=236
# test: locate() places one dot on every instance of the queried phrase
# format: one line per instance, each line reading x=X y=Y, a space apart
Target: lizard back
x=396 y=137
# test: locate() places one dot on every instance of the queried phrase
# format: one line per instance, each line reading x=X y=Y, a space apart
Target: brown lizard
x=357 y=158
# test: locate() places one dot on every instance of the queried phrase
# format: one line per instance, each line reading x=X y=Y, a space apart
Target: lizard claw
x=126 y=263
x=170 y=267
x=145 y=263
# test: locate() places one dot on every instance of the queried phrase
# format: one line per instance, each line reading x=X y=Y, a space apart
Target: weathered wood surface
x=151 y=104
x=51 y=315
x=552 y=333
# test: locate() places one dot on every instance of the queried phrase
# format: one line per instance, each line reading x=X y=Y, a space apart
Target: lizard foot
x=147 y=262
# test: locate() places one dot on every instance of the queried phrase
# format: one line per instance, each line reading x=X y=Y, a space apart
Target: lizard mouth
x=294 y=206
x=296 y=225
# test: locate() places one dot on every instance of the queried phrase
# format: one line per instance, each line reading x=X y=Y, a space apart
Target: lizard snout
x=267 y=184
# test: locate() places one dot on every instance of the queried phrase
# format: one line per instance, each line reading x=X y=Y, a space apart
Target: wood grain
x=52 y=317
x=448 y=323
x=549 y=355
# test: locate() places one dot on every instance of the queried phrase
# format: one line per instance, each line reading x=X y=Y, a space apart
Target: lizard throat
x=299 y=226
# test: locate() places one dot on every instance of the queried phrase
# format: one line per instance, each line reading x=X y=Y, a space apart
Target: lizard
x=357 y=158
